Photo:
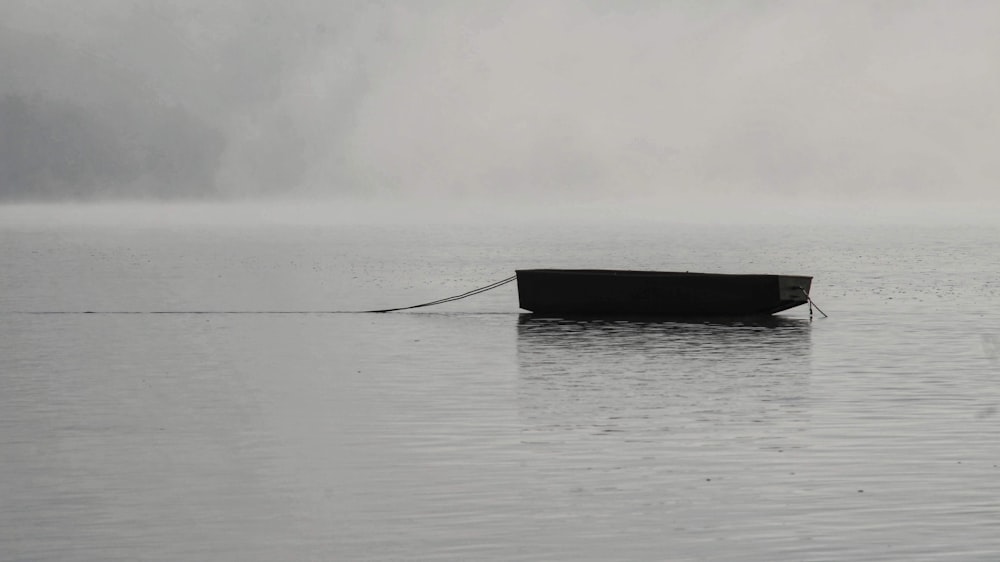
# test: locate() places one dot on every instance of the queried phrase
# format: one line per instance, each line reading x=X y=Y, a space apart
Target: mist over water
x=659 y=104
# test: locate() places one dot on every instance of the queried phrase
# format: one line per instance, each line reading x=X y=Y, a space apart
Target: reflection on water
x=644 y=377
x=626 y=334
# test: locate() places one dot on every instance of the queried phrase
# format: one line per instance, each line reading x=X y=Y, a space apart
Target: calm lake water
x=250 y=423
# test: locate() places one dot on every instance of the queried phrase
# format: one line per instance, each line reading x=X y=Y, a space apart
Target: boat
x=611 y=292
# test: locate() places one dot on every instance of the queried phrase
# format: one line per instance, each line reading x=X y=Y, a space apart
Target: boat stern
x=793 y=290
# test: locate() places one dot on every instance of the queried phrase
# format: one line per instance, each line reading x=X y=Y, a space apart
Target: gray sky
x=501 y=101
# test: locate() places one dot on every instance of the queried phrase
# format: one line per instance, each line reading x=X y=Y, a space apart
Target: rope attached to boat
x=489 y=287
x=812 y=304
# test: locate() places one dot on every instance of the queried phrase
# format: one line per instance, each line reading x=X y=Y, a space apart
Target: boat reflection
x=643 y=375
x=765 y=335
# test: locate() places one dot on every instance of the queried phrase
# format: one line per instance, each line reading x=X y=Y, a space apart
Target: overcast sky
x=501 y=101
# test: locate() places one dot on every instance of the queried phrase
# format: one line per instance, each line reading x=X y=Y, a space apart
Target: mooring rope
x=489 y=287
x=812 y=304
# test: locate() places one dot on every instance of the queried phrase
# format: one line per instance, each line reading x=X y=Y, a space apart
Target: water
x=471 y=432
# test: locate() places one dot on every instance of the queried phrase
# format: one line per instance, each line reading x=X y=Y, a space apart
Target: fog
x=458 y=105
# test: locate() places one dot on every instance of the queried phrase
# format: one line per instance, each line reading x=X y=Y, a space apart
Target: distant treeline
x=55 y=149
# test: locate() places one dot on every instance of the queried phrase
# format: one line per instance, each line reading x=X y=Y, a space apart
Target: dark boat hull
x=601 y=292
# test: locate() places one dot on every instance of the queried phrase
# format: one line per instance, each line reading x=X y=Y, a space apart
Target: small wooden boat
x=607 y=292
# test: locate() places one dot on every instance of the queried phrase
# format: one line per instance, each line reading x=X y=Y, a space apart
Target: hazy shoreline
x=408 y=211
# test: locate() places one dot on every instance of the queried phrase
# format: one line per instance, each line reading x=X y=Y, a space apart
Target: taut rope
x=812 y=304
x=489 y=287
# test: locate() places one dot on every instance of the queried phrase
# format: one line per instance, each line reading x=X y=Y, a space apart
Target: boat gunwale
x=650 y=273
